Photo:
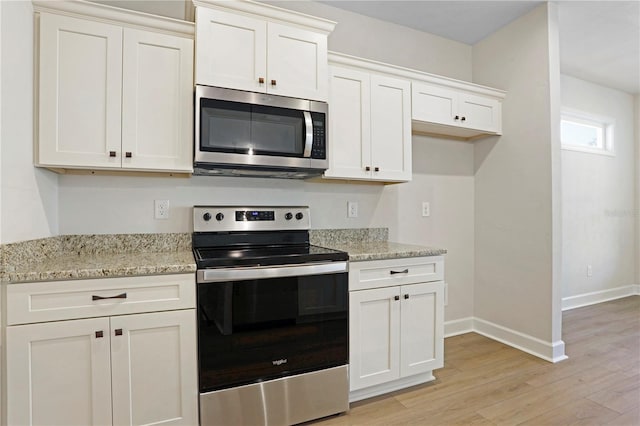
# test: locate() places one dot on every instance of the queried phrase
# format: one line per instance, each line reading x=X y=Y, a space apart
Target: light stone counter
x=369 y=244
x=96 y=256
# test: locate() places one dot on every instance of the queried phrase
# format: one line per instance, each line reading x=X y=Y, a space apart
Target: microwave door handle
x=308 y=143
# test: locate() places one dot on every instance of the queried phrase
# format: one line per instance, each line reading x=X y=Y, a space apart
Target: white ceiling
x=599 y=40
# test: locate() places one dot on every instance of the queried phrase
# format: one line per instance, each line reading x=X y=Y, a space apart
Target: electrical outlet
x=352 y=209
x=161 y=209
x=426 y=210
x=589 y=270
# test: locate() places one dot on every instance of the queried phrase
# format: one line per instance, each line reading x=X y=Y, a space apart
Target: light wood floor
x=485 y=382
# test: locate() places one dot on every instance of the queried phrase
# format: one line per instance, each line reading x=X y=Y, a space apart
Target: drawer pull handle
x=119 y=296
x=99 y=334
x=406 y=296
x=118 y=332
x=396 y=297
x=406 y=271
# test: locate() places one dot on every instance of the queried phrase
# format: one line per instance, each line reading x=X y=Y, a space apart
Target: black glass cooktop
x=215 y=257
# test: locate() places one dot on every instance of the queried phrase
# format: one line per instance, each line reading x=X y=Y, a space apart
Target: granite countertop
x=369 y=244
x=378 y=250
x=97 y=256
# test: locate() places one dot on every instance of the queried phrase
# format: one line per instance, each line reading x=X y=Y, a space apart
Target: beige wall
x=513 y=180
x=599 y=197
x=29 y=195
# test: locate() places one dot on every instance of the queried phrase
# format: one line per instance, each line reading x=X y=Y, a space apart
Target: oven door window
x=251 y=129
x=257 y=330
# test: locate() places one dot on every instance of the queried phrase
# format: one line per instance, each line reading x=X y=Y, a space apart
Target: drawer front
x=385 y=273
x=63 y=300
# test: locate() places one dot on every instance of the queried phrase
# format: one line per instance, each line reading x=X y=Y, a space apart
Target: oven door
x=270 y=322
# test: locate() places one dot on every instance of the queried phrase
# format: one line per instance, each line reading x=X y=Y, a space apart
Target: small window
x=586 y=132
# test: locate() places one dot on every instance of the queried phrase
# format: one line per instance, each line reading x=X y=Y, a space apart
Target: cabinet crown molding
x=110 y=14
x=271 y=13
x=413 y=75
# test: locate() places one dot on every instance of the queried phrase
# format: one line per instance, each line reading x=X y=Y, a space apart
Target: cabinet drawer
x=384 y=273
x=62 y=300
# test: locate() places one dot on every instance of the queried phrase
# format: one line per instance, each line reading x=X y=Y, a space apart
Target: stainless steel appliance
x=272 y=318
x=255 y=134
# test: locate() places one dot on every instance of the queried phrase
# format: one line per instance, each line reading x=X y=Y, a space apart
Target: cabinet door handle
x=463 y=118
x=376 y=169
x=406 y=296
x=99 y=334
x=119 y=296
x=367 y=169
x=261 y=80
x=273 y=82
x=127 y=154
x=118 y=332
x=396 y=297
x=406 y=271
x=457 y=117
x=112 y=153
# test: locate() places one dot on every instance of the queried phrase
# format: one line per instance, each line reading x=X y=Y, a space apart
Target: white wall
x=599 y=197
x=637 y=212
x=29 y=195
x=513 y=183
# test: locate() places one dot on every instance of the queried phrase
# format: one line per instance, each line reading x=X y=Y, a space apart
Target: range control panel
x=242 y=218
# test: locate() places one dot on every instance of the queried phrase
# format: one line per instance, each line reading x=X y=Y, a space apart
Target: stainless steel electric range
x=272 y=318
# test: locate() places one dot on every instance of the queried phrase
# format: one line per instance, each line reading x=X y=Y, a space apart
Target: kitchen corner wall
x=514 y=191
x=29 y=196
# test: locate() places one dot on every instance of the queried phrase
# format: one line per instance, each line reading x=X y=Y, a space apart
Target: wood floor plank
x=485 y=382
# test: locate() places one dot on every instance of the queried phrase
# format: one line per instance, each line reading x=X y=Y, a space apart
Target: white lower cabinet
x=137 y=369
x=396 y=332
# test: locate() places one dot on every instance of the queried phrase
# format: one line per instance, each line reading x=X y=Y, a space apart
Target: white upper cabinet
x=370 y=126
x=113 y=97
x=455 y=112
x=260 y=48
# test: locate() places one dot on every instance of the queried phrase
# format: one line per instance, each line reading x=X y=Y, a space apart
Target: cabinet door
x=59 y=373
x=157 y=102
x=374 y=337
x=231 y=50
x=154 y=368
x=480 y=113
x=297 y=63
x=390 y=128
x=422 y=316
x=434 y=104
x=80 y=90
x=350 y=120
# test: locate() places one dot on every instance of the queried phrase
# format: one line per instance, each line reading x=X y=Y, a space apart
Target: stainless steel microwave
x=242 y=133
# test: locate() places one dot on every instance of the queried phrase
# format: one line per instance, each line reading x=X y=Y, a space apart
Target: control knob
x=206 y=217
x=219 y=217
x=299 y=215
x=288 y=216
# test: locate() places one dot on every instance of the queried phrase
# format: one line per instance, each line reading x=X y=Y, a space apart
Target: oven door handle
x=259 y=272
x=308 y=141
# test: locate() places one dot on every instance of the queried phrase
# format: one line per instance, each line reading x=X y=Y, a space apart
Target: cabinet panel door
x=422 y=319
x=297 y=62
x=79 y=92
x=350 y=121
x=154 y=368
x=434 y=104
x=157 y=101
x=231 y=50
x=390 y=128
x=481 y=113
x=374 y=337
x=59 y=373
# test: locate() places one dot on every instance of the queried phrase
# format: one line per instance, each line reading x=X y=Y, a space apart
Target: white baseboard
x=552 y=352
x=592 y=298
x=456 y=327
